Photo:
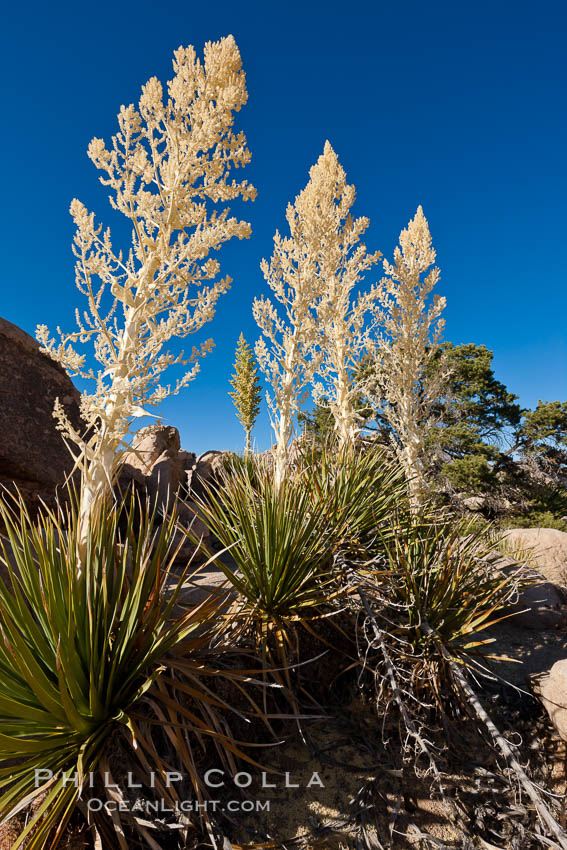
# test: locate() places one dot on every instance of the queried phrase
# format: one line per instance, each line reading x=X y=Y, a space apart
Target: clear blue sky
x=458 y=107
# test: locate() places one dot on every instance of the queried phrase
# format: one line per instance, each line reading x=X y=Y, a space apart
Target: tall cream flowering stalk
x=412 y=328
x=169 y=172
x=286 y=352
x=342 y=317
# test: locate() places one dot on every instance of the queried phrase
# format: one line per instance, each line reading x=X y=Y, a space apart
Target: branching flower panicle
x=343 y=312
x=321 y=332
x=412 y=326
x=169 y=170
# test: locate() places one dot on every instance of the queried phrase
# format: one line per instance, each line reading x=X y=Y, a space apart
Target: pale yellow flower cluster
x=170 y=171
x=318 y=333
x=324 y=324
x=411 y=326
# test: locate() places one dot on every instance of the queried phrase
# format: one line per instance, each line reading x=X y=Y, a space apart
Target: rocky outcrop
x=551 y=687
x=33 y=454
x=205 y=472
x=534 y=556
x=545 y=550
x=171 y=479
x=157 y=463
x=540 y=606
x=197 y=546
x=474 y=504
x=541 y=625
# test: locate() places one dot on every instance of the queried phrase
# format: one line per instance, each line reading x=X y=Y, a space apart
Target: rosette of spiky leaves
x=81 y=652
x=358 y=487
x=435 y=588
x=282 y=567
x=280 y=546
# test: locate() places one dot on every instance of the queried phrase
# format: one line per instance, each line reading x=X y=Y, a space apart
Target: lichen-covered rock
x=33 y=454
